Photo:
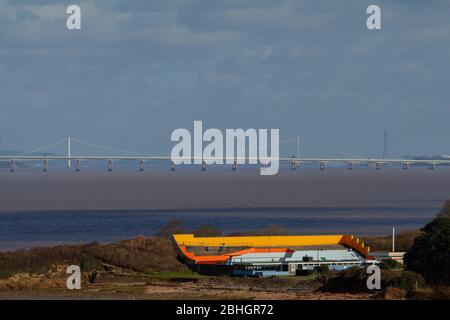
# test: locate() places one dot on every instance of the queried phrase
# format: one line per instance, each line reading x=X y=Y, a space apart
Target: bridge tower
x=69 y=163
x=385 y=145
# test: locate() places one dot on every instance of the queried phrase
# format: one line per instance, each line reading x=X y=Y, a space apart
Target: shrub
x=392 y=293
x=406 y=280
x=172 y=227
x=441 y=293
x=274 y=230
x=349 y=280
x=354 y=280
x=430 y=254
x=323 y=273
x=92 y=277
x=432 y=293
x=140 y=254
x=37 y=260
x=403 y=241
x=323 y=268
x=207 y=230
x=389 y=264
x=89 y=263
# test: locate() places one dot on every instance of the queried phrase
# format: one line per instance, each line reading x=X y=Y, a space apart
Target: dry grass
x=392 y=293
x=140 y=254
x=403 y=241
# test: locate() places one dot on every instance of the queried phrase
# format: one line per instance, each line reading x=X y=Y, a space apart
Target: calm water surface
x=64 y=207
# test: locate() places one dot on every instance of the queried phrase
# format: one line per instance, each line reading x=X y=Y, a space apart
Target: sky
x=139 y=69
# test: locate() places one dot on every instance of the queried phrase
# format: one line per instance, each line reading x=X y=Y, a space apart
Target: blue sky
x=139 y=69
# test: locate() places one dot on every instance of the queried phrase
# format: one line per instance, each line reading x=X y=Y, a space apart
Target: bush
x=441 y=293
x=37 y=260
x=349 y=280
x=432 y=293
x=92 y=277
x=323 y=273
x=389 y=264
x=140 y=254
x=207 y=230
x=403 y=241
x=89 y=263
x=406 y=280
x=273 y=230
x=392 y=293
x=355 y=279
x=430 y=254
x=172 y=227
x=323 y=268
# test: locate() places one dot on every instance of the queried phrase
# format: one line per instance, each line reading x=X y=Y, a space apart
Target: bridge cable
x=44 y=147
x=110 y=149
x=348 y=154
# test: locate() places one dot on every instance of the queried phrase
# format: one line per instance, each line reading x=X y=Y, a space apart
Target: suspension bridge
x=350 y=161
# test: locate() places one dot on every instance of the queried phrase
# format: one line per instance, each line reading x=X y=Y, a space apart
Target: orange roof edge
x=263 y=244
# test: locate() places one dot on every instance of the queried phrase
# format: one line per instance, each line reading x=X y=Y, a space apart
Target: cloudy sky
x=139 y=69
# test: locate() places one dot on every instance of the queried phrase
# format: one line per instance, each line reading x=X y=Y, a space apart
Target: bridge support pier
x=234 y=166
x=110 y=165
x=45 y=166
x=293 y=165
x=172 y=166
x=322 y=165
x=141 y=165
x=78 y=166
x=13 y=165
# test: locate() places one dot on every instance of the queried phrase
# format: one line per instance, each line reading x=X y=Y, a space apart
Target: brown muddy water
x=59 y=207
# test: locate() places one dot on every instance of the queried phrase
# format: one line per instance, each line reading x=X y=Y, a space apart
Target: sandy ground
x=26 y=286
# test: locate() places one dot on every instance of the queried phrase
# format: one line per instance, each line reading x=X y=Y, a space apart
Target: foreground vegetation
x=146 y=255
x=427 y=261
x=403 y=241
x=430 y=253
x=153 y=263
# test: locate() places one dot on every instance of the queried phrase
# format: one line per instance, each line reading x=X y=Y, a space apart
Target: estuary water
x=61 y=207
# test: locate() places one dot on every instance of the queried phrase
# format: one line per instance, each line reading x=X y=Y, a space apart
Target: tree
x=445 y=211
x=430 y=253
x=206 y=230
x=172 y=227
x=273 y=230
